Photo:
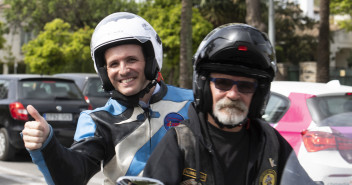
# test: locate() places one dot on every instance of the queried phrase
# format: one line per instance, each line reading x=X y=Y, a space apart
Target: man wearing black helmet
x=119 y=137
x=225 y=141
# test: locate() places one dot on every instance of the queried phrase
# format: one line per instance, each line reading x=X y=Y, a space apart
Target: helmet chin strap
x=243 y=122
x=133 y=100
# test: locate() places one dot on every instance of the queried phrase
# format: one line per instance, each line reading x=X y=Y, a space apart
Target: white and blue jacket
x=116 y=138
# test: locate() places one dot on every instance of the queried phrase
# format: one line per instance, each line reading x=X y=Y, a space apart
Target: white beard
x=230 y=112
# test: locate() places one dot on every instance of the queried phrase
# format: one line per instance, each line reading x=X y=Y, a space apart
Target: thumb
x=34 y=113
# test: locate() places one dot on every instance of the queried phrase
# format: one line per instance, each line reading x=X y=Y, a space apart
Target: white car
x=316 y=119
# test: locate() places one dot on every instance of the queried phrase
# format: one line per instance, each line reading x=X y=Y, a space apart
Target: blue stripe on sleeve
x=85 y=127
x=38 y=159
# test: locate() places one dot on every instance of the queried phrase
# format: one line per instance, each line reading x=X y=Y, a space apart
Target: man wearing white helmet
x=119 y=137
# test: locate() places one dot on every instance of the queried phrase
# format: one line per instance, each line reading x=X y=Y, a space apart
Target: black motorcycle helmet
x=234 y=49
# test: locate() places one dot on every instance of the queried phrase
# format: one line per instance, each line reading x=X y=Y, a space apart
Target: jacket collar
x=160 y=94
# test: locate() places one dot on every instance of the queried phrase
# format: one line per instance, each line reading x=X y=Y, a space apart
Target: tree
x=3 y=30
x=186 y=45
x=295 y=38
x=342 y=7
x=57 y=49
x=220 y=12
x=34 y=14
x=77 y=51
x=164 y=16
x=80 y=14
x=323 y=44
x=253 y=15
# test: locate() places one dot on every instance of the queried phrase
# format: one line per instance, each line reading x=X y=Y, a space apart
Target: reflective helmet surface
x=125 y=28
x=234 y=49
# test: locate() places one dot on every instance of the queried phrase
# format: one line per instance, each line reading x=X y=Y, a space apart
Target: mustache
x=231 y=104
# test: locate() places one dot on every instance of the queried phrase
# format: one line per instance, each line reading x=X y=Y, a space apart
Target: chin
x=126 y=92
x=129 y=93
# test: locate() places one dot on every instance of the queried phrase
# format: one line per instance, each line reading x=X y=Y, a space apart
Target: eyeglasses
x=225 y=84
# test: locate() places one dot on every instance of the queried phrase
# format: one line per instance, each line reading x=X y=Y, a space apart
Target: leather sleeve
x=67 y=166
x=166 y=161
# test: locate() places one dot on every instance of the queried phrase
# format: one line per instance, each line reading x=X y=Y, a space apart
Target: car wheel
x=7 y=151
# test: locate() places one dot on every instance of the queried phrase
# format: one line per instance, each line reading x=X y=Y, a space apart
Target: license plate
x=57 y=116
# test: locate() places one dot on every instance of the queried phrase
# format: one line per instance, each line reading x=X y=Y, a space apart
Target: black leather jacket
x=186 y=156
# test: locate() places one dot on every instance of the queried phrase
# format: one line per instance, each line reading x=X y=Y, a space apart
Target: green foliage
x=293 y=44
x=63 y=44
x=78 y=52
x=56 y=49
x=345 y=24
x=3 y=30
x=78 y=13
x=220 y=12
x=342 y=7
x=165 y=17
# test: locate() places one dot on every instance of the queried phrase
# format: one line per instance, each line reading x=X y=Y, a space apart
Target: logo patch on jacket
x=172 y=120
x=268 y=177
x=189 y=172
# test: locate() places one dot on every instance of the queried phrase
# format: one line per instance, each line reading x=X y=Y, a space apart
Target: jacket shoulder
x=185 y=137
x=178 y=94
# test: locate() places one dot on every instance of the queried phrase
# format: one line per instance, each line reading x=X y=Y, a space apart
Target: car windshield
x=49 y=89
x=331 y=110
x=94 y=88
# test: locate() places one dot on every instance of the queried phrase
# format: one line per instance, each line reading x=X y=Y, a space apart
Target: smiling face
x=230 y=107
x=125 y=66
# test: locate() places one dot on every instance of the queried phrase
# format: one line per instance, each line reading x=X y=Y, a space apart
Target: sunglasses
x=225 y=84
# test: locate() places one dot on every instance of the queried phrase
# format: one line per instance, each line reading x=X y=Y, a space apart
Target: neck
x=147 y=96
x=212 y=121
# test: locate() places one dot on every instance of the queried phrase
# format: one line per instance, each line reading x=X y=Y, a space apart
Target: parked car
x=58 y=100
x=91 y=87
x=316 y=119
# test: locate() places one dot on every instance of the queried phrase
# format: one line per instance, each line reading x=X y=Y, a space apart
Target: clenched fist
x=35 y=132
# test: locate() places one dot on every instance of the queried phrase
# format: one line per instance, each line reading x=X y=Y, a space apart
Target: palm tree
x=186 y=45
x=253 y=15
x=323 y=49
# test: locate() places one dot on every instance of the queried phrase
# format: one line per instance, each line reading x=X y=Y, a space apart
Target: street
x=22 y=171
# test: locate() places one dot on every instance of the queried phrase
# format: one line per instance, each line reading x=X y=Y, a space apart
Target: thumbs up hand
x=35 y=132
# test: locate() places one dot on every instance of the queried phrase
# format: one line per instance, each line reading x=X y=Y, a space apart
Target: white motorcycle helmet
x=126 y=28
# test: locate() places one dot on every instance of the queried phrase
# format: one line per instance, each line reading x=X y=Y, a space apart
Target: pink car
x=316 y=119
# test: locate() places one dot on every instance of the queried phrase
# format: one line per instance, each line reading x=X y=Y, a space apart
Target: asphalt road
x=22 y=171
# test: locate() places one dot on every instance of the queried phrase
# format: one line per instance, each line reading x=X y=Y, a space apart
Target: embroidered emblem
x=272 y=162
x=268 y=177
x=189 y=172
x=172 y=120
